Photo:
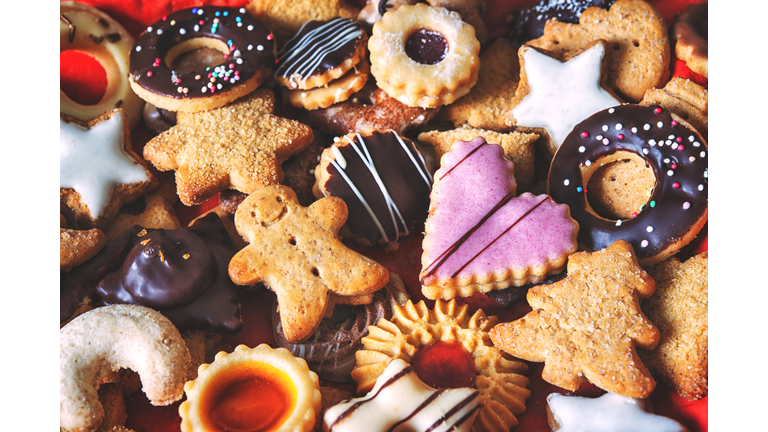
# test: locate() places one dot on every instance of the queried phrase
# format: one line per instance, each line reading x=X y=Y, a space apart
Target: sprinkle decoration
x=218 y=23
x=677 y=201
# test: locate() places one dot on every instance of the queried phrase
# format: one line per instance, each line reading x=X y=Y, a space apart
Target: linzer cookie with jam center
x=479 y=236
x=384 y=181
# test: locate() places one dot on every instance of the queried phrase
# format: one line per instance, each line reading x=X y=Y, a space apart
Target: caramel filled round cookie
x=424 y=56
x=248 y=46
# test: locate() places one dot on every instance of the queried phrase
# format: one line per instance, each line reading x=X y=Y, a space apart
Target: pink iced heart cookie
x=479 y=236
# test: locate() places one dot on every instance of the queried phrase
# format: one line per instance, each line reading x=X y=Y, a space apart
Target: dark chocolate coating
x=243 y=33
x=320 y=43
x=691 y=27
x=194 y=293
x=81 y=281
x=401 y=177
x=330 y=351
x=528 y=23
x=676 y=154
x=157 y=119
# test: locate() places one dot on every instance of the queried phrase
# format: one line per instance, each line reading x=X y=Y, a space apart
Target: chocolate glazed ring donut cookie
x=248 y=46
x=674 y=150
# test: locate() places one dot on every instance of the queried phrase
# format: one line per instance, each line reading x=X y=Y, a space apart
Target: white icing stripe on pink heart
x=478 y=227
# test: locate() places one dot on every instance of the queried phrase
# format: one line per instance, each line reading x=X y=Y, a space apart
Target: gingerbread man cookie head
x=296 y=252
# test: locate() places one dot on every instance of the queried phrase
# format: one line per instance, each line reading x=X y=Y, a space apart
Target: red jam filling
x=248 y=398
x=445 y=365
x=426 y=47
x=81 y=77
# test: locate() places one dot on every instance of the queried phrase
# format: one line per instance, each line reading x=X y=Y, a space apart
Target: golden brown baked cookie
x=113 y=337
x=416 y=329
x=151 y=211
x=240 y=145
x=620 y=188
x=518 y=148
x=586 y=326
x=285 y=17
x=685 y=98
x=99 y=171
x=496 y=84
x=639 y=48
x=252 y=389
x=295 y=252
x=424 y=56
x=679 y=309
x=78 y=246
x=333 y=92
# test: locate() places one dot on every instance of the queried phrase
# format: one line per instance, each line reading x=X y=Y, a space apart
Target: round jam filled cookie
x=448 y=348
x=248 y=48
x=252 y=389
x=384 y=181
x=677 y=206
x=88 y=30
x=320 y=52
x=424 y=56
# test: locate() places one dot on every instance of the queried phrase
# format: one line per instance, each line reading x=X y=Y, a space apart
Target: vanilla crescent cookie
x=88 y=30
x=414 y=329
x=107 y=339
x=252 y=389
x=424 y=56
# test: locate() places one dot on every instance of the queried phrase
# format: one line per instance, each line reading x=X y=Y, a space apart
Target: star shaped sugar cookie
x=296 y=252
x=239 y=146
x=98 y=170
x=554 y=94
x=585 y=327
x=607 y=413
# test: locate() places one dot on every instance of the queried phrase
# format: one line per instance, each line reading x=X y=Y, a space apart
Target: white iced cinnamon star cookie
x=608 y=413
x=555 y=94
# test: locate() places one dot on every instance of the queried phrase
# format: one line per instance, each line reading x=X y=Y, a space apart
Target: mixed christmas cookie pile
x=393 y=215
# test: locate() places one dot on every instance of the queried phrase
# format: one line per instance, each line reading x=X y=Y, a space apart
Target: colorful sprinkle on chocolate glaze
x=249 y=43
x=676 y=154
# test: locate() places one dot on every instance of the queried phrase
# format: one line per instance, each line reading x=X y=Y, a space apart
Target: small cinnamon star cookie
x=240 y=145
x=296 y=252
x=585 y=327
x=556 y=93
x=640 y=49
x=99 y=172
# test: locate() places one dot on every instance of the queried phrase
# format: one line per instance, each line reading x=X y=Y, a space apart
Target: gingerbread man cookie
x=585 y=327
x=296 y=252
x=240 y=145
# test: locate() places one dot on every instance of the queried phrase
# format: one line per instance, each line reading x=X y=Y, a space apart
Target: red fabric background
x=83 y=79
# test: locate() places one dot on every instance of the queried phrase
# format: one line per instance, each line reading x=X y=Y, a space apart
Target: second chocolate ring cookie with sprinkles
x=247 y=45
